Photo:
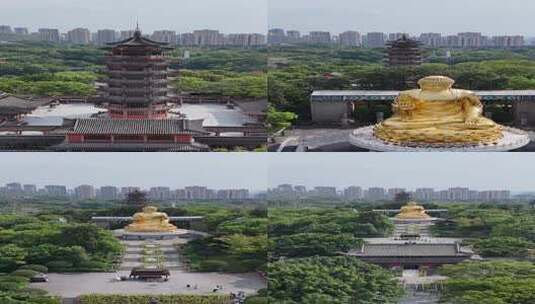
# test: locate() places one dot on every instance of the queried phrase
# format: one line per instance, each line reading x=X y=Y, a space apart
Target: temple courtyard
x=74 y=285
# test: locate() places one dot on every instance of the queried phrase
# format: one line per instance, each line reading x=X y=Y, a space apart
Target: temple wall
x=328 y=111
x=524 y=114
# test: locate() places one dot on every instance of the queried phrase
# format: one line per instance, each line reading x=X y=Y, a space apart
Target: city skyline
x=219 y=171
x=412 y=16
x=477 y=171
x=232 y=16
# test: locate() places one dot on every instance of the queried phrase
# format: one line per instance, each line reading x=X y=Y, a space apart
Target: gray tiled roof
x=136 y=127
x=409 y=250
x=132 y=147
x=14 y=104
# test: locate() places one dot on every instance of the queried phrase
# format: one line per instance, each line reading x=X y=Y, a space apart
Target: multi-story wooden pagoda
x=404 y=52
x=137 y=79
x=136 y=96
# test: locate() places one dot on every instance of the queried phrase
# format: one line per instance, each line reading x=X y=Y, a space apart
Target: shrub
x=24 y=273
x=212 y=265
x=59 y=266
x=256 y=300
x=9 y=286
x=14 y=279
x=38 y=268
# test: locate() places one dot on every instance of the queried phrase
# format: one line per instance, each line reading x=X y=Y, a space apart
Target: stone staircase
x=134 y=254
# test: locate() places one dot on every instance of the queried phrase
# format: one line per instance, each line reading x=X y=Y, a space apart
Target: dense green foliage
x=495 y=282
x=309 y=239
x=494 y=231
x=278 y=120
x=238 y=241
x=47 y=69
x=214 y=82
x=226 y=59
x=55 y=243
x=331 y=280
x=321 y=231
x=144 y=299
x=323 y=68
x=51 y=84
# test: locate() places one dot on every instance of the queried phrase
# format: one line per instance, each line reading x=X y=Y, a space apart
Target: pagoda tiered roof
x=139 y=41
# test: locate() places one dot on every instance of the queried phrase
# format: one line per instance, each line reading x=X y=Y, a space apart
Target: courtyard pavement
x=337 y=140
x=73 y=285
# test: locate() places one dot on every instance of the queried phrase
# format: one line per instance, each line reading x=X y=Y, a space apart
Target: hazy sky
x=413 y=16
x=180 y=15
x=479 y=171
x=257 y=171
x=216 y=170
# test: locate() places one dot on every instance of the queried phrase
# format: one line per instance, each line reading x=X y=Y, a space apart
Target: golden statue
x=412 y=211
x=150 y=220
x=438 y=114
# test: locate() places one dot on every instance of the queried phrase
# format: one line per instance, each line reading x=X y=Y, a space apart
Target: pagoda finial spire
x=137 y=33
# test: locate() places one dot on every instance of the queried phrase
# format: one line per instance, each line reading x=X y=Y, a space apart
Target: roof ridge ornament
x=137 y=32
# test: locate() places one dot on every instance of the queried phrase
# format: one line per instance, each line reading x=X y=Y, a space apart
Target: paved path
x=73 y=285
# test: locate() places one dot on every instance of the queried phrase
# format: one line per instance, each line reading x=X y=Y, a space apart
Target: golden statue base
x=364 y=138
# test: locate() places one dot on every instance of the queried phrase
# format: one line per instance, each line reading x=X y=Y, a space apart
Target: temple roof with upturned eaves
x=138 y=40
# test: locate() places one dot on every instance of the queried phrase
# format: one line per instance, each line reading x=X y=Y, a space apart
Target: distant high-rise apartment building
x=431 y=39
x=238 y=40
x=14 y=188
x=353 y=193
x=186 y=39
x=376 y=194
x=350 y=38
x=375 y=40
x=29 y=189
x=424 y=194
x=276 y=36
x=458 y=194
x=21 y=30
x=508 y=41
x=160 y=193
x=49 y=35
x=256 y=39
x=452 y=41
x=233 y=194
x=165 y=36
x=293 y=36
x=5 y=29
x=319 y=37
x=208 y=38
x=324 y=192
x=105 y=36
x=494 y=195
x=109 y=193
x=56 y=190
x=300 y=190
x=196 y=192
x=79 y=36
x=469 y=40
x=127 y=190
x=393 y=192
x=396 y=36
x=84 y=192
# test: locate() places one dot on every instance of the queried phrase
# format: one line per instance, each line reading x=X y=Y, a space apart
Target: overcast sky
x=180 y=15
x=479 y=171
x=412 y=16
x=215 y=170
